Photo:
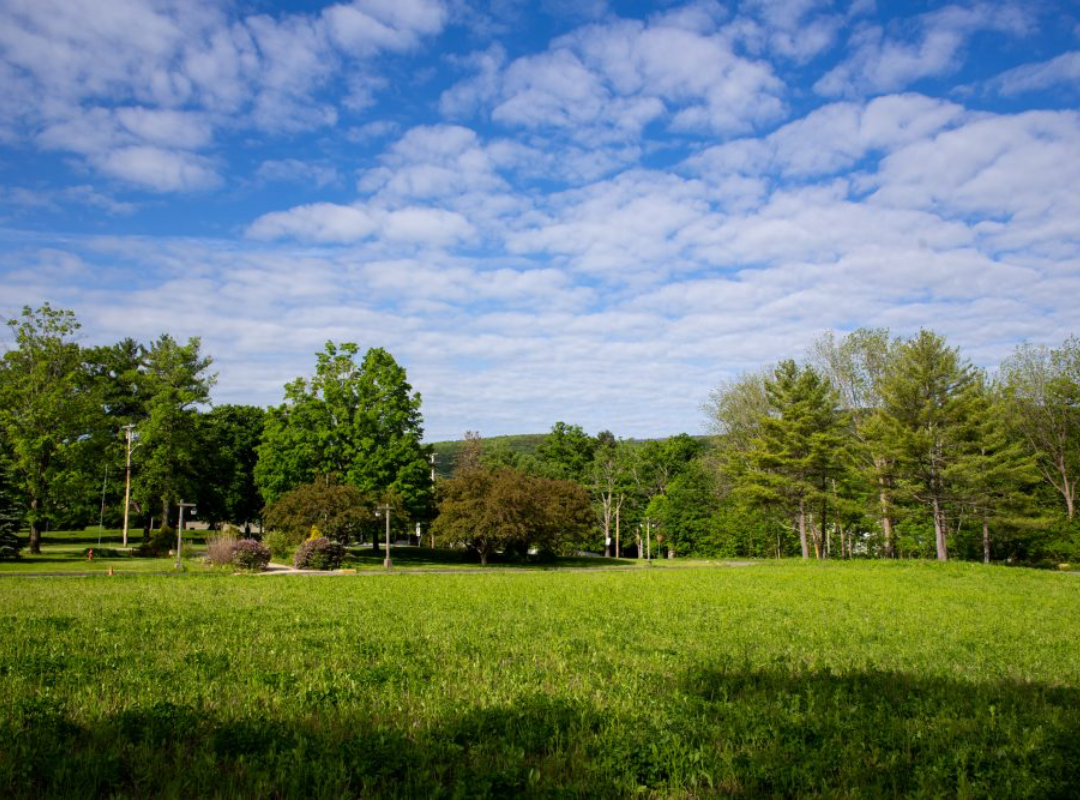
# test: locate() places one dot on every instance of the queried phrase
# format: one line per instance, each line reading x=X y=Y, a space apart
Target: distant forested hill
x=446 y=453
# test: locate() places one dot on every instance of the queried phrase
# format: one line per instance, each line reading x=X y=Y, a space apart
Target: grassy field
x=65 y=552
x=860 y=680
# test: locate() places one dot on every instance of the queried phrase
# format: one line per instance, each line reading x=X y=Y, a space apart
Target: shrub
x=281 y=544
x=163 y=540
x=319 y=553
x=250 y=554
x=219 y=549
x=9 y=546
x=341 y=512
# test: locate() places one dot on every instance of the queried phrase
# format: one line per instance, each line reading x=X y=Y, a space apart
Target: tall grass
x=863 y=680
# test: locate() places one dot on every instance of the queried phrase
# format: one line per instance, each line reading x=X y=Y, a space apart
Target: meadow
x=775 y=679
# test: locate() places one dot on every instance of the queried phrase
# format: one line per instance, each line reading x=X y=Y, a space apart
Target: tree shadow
x=413 y=556
x=705 y=732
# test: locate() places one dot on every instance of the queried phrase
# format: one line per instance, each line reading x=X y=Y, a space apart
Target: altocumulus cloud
x=547 y=214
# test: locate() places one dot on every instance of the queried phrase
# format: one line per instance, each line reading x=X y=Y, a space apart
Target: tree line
x=870 y=446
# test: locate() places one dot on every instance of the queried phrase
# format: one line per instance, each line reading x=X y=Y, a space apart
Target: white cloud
x=831 y=138
x=430 y=226
x=319 y=222
x=166 y=127
x=883 y=61
x=158 y=169
x=1062 y=69
x=109 y=81
x=611 y=80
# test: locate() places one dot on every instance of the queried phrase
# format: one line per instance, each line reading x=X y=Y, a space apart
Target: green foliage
x=229 y=437
x=161 y=542
x=788 y=680
x=508 y=511
x=281 y=545
x=45 y=408
x=175 y=383
x=931 y=399
x=1042 y=390
x=358 y=423
x=340 y=512
x=321 y=553
x=798 y=452
x=566 y=453
x=10 y=545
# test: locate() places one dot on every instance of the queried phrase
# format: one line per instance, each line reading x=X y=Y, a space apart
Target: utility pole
x=385 y=509
x=127 y=482
x=432 y=459
x=180 y=530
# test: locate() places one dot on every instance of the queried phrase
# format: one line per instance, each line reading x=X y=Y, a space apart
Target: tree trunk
x=607 y=536
x=483 y=557
x=35 y=533
x=375 y=549
x=886 y=520
x=618 y=548
x=986 y=540
x=939 y=532
x=802 y=529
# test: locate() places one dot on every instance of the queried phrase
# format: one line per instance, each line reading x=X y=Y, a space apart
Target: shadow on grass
x=411 y=556
x=711 y=732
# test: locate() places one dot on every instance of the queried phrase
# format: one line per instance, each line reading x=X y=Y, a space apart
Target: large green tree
x=358 y=423
x=229 y=439
x=930 y=397
x=45 y=407
x=176 y=382
x=1042 y=386
x=799 y=451
x=504 y=510
x=856 y=365
x=566 y=453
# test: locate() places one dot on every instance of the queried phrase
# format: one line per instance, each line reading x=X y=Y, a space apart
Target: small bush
x=250 y=554
x=319 y=553
x=10 y=545
x=219 y=549
x=163 y=540
x=281 y=544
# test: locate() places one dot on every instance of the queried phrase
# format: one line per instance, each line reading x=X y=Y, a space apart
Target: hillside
x=446 y=453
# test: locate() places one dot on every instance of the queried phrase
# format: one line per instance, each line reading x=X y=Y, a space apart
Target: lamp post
x=380 y=511
x=180 y=530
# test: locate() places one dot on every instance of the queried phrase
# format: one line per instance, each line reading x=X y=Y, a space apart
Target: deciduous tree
x=45 y=406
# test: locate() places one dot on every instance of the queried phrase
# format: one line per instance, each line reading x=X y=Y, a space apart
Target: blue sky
x=583 y=211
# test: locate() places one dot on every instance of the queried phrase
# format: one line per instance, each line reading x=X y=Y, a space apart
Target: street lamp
x=180 y=530
x=385 y=509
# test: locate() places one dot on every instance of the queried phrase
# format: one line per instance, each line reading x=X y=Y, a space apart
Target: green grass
x=65 y=552
x=850 y=680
